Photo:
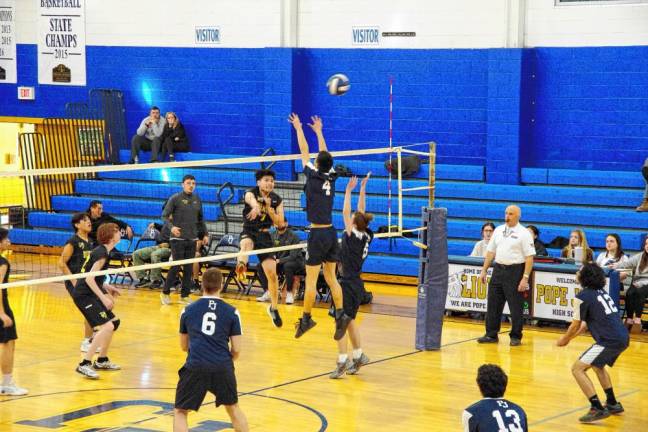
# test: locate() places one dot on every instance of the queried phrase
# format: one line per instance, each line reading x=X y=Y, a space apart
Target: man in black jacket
x=98 y=218
x=184 y=211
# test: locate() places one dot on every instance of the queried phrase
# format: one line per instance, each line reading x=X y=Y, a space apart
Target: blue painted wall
x=583 y=108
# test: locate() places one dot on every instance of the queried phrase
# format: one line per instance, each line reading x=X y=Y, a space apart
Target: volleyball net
x=401 y=183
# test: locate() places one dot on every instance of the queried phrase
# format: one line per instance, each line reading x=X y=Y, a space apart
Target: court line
x=581 y=408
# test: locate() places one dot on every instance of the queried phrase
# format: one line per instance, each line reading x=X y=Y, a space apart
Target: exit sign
x=26 y=93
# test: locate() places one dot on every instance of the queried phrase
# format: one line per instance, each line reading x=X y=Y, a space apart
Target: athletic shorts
x=69 y=286
x=322 y=246
x=195 y=383
x=93 y=310
x=261 y=240
x=599 y=355
x=352 y=290
x=8 y=333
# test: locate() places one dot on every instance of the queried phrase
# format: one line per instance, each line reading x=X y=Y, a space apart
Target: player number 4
x=515 y=426
x=608 y=303
x=209 y=323
x=327 y=187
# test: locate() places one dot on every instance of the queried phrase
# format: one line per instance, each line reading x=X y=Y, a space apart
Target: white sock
x=6 y=379
x=357 y=353
x=342 y=358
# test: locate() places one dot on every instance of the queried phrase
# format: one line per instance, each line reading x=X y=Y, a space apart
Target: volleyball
x=338 y=84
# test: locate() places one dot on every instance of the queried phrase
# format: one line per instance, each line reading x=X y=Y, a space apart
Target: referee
x=512 y=249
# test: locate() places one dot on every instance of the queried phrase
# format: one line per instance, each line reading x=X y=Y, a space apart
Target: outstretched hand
x=353 y=182
x=317 y=124
x=364 y=181
x=294 y=120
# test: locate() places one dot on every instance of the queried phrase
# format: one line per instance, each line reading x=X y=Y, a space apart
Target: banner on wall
x=8 y=42
x=466 y=293
x=553 y=295
x=61 y=42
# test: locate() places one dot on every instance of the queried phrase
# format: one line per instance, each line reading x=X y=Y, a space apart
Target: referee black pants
x=181 y=249
x=503 y=287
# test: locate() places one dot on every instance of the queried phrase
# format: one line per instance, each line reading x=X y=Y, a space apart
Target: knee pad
x=116 y=324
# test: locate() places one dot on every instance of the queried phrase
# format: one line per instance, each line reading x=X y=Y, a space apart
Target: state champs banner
x=554 y=293
x=8 y=42
x=61 y=42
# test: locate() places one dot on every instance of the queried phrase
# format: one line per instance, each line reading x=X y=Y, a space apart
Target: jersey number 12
x=608 y=303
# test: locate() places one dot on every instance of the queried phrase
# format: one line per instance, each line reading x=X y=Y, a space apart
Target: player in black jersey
x=8 y=334
x=210 y=332
x=263 y=209
x=94 y=298
x=77 y=248
x=493 y=413
x=354 y=249
x=322 y=246
x=595 y=309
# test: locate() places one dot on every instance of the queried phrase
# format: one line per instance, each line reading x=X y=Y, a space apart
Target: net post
x=433 y=280
x=432 y=174
x=400 y=190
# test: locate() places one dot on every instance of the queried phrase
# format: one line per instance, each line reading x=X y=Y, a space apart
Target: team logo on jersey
x=103 y=314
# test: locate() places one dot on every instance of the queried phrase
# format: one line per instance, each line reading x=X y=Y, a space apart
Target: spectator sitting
x=577 y=238
x=613 y=252
x=643 y=207
x=289 y=263
x=636 y=295
x=98 y=218
x=158 y=253
x=173 y=139
x=149 y=131
x=480 y=247
x=540 y=248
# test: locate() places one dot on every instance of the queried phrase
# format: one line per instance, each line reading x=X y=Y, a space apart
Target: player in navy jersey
x=322 y=245
x=210 y=331
x=95 y=299
x=594 y=309
x=263 y=209
x=8 y=334
x=493 y=413
x=354 y=249
x=77 y=248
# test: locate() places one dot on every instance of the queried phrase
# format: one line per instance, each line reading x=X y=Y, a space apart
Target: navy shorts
x=322 y=246
x=599 y=355
x=352 y=291
x=195 y=383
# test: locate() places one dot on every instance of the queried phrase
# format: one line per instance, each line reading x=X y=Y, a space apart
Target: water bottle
x=578 y=254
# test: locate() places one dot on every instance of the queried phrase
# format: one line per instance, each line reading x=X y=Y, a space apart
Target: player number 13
x=515 y=426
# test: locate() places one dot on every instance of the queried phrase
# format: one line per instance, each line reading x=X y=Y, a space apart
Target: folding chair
x=229 y=243
x=120 y=259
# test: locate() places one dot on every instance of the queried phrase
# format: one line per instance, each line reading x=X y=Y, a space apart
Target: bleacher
x=556 y=201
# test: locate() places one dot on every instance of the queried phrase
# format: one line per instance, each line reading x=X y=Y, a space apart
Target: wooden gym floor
x=284 y=382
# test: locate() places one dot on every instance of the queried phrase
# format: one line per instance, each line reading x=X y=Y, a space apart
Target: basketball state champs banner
x=8 y=42
x=61 y=42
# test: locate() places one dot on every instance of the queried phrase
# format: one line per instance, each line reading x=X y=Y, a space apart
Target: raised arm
x=317 y=127
x=346 y=210
x=362 y=198
x=301 y=138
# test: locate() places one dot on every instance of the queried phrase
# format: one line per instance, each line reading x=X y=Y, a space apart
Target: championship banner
x=553 y=295
x=8 y=42
x=466 y=293
x=61 y=42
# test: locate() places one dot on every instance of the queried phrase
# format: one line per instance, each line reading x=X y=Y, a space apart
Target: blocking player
x=594 y=309
x=263 y=209
x=354 y=249
x=493 y=413
x=322 y=244
x=95 y=299
x=210 y=332
x=77 y=248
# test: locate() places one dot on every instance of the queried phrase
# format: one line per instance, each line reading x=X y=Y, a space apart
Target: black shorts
x=93 y=310
x=599 y=355
x=69 y=286
x=8 y=333
x=322 y=246
x=261 y=240
x=195 y=383
x=352 y=292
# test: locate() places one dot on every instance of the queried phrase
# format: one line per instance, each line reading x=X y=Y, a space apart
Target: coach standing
x=512 y=248
x=185 y=212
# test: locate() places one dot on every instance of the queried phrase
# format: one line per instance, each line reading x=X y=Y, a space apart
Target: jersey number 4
x=209 y=323
x=327 y=188
x=608 y=303
x=513 y=421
